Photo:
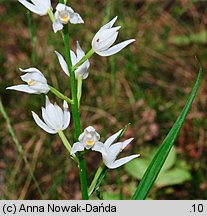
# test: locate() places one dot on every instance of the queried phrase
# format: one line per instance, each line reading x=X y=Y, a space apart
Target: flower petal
x=30 y=70
x=59 y=114
x=80 y=53
x=48 y=2
x=38 y=77
x=69 y=9
x=40 y=88
x=73 y=58
x=121 y=161
x=42 y=125
x=76 y=18
x=115 y=49
x=81 y=137
x=66 y=115
x=57 y=26
x=105 y=39
x=126 y=142
x=109 y=24
x=104 y=45
x=98 y=146
x=43 y=5
x=77 y=147
x=60 y=7
x=112 y=152
x=63 y=63
x=23 y=88
x=111 y=139
x=32 y=7
x=47 y=119
x=53 y=115
x=82 y=71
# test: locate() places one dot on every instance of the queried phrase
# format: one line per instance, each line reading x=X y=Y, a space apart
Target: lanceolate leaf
x=163 y=151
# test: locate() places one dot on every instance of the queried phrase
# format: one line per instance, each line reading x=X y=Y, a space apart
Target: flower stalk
x=64 y=140
x=86 y=57
x=51 y=15
x=60 y=95
x=66 y=144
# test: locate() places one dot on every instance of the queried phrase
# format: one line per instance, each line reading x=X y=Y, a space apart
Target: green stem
x=83 y=179
x=75 y=112
x=60 y=95
x=95 y=179
x=87 y=56
x=80 y=82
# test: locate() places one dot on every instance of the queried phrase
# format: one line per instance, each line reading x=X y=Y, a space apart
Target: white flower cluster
x=55 y=118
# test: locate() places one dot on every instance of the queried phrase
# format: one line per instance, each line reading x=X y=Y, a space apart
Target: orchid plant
x=76 y=65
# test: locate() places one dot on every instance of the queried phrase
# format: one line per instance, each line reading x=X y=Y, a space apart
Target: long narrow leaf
x=163 y=151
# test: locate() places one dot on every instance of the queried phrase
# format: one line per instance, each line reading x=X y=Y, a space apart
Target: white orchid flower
x=105 y=37
x=75 y=58
x=55 y=119
x=87 y=140
x=110 y=152
x=40 y=7
x=36 y=82
x=63 y=15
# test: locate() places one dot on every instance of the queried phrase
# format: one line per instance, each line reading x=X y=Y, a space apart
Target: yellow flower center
x=64 y=16
x=88 y=142
x=31 y=82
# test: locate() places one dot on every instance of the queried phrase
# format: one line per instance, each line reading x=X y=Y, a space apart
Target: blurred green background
x=147 y=85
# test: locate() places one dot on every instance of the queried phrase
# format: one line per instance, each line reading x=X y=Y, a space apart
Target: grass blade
x=163 y=151
x=19 y=147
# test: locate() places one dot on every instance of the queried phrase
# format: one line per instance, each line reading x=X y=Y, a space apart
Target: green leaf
x=110 y=196
x=173 y=177
x=171 y=160
x=163 y=151
x=100 y=178
x=173 y=171
x=137 y=167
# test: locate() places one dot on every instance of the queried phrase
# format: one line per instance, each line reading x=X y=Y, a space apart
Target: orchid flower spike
x=105 y=37
x=36 y=82
x=55 y=118
x=63 y=15
x=87 y=139
x=40 y=7
x=75 y=58
x=110 y=152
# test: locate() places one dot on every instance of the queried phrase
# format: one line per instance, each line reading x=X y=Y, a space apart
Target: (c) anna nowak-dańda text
x=67 y=208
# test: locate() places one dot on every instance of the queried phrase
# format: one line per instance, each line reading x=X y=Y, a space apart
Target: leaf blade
x=163 y=151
